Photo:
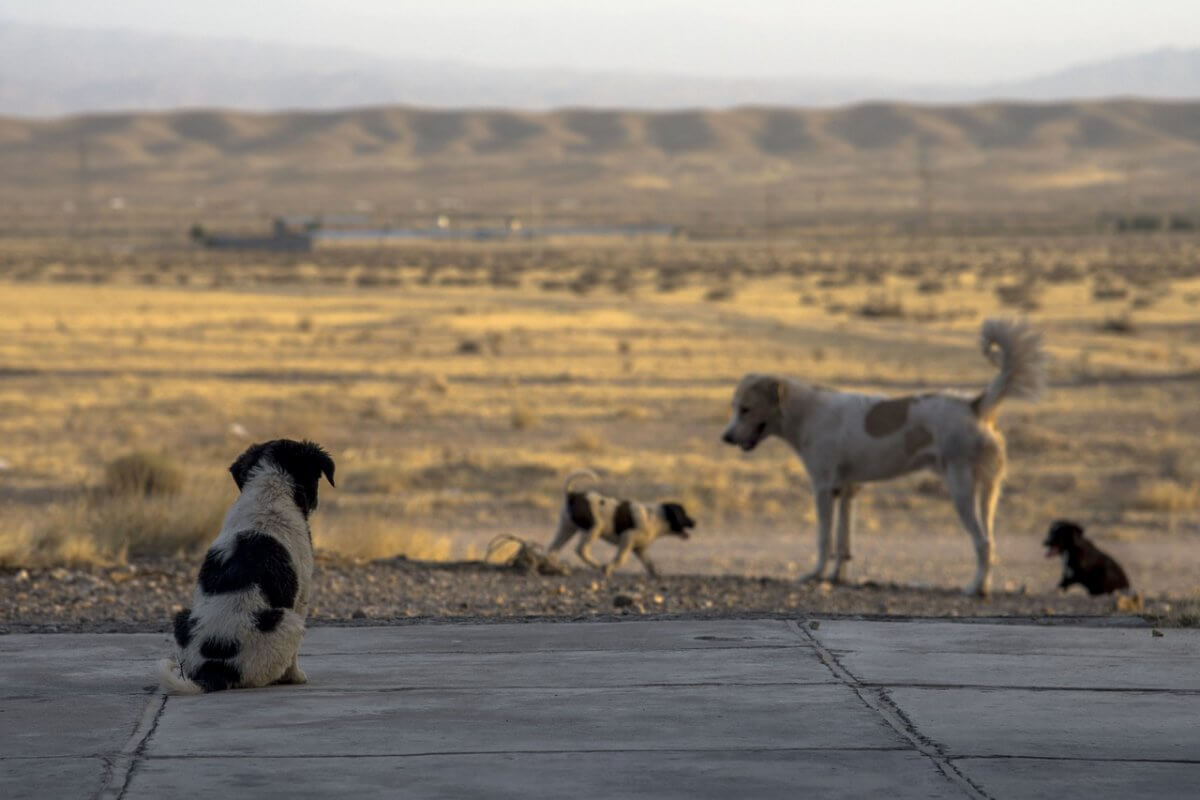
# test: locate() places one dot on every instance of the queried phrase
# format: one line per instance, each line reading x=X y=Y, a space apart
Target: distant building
x=282 y=239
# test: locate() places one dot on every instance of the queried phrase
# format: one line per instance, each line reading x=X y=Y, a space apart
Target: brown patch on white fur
x=846 y=438
x=888 y=416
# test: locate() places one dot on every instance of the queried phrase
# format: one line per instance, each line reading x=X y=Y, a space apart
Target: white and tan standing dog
x=847 y=439
x=247 y=617
x=631 y=526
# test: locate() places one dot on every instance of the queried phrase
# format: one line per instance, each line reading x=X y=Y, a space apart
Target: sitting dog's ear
x=1065 y=527
x=240 y=468
x=305 y=462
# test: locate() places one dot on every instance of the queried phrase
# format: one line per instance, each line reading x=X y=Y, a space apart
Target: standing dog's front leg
x=845 y=526
x=640 y=552
x=623 y=551
x=824 y=498
x=584 y=550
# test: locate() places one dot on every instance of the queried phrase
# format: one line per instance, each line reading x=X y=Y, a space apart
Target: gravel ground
x=144 y=596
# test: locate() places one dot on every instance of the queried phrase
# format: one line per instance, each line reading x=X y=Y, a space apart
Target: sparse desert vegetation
x=457 y=382
x=125 y=399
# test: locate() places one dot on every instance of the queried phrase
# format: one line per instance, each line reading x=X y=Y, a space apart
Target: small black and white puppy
x=1083 y=562
x=631 y=526
x=247 y=616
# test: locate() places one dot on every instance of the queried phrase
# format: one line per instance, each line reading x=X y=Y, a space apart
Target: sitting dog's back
x=251 y=598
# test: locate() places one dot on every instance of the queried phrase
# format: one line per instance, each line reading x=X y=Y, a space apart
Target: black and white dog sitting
x=1083 y=562
x=630 y=526
x=247 y=616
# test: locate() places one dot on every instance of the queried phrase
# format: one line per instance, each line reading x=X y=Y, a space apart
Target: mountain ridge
x=122 y=70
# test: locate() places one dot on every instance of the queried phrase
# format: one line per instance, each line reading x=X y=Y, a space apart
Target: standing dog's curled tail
x=579 y=473
x=1016 y=348
x=172 y=682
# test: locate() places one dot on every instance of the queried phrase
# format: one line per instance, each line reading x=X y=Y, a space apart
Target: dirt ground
x=145 y=596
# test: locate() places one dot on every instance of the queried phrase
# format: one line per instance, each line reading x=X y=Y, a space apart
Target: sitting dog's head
x=1064 y=537
x=677 y=519
x=303 y=462
x=757 y=411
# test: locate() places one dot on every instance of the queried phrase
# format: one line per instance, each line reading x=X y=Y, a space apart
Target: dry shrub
x=882 y=306
x=719 y=294
x=378 y=479
x=586 y=442
x=522 y=418
x=105 y=528
x=525 y=556
x=1183 y=614
x=1120 y=325
x=1019 y=295
x=1167 y=495
x=142 y=473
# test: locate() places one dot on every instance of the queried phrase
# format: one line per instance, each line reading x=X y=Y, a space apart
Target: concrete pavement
x=684 y=708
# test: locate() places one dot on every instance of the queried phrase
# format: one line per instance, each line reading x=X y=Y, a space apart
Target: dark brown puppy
x=1083 y=562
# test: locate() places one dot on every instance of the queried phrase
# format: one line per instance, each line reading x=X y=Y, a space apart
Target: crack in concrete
x=878 y=700
x=125 y=763
x=1017 y=688
x=527 y=752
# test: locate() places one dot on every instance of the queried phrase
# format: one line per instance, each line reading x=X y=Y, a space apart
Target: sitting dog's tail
x=579 y=473
x=172 y=681
x=1016 y=348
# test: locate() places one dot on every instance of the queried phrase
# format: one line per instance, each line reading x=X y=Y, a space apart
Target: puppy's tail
x=579 y=473
x=1016 y=348
x=172 y=681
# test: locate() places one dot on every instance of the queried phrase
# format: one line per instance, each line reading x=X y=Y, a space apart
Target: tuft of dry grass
x=522 y=418
x=373 y=535
x=103 y=527
x=1166 y=495
x=142 y=473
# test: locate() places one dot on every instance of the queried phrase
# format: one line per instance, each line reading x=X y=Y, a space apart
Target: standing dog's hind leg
x=584 y=549
x=961 y=484
x=824 y=499
x=566 y=529
x=845 y=526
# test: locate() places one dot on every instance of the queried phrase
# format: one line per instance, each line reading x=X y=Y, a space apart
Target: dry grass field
x=457 y=384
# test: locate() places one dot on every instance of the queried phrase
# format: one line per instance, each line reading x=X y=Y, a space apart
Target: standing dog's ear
x=240 y=469
x=781 y=392
x=677 y=519
x=771 y=389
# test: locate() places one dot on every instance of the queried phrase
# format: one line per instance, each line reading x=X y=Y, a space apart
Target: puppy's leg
x=640 y=552
x=623 y=551
x=584 y=550
x=961 y=484
x=824 y=499
x=845 y=526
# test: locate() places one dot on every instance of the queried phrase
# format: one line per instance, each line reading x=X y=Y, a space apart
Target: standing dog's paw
x=607 y=569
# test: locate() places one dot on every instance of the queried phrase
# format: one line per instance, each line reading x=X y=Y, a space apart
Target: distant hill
x=678 y=166
x=403 y=134
x=47 y=71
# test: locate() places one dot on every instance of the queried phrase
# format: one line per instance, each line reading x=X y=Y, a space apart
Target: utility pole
x=83 y=189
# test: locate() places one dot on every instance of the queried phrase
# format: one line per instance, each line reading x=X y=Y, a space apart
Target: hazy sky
x=938 y=41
